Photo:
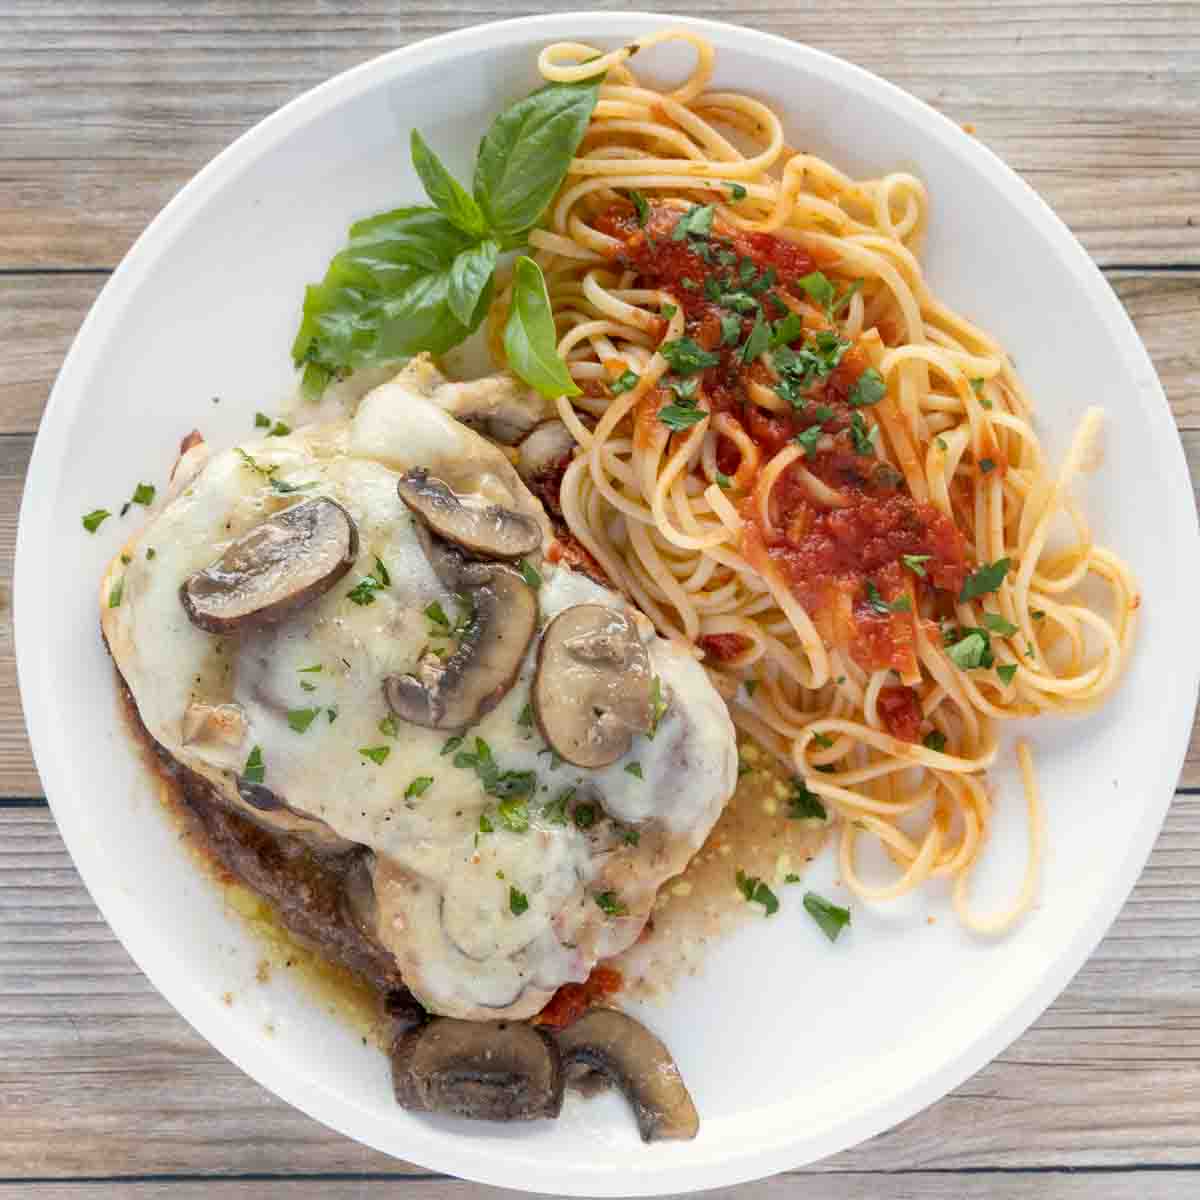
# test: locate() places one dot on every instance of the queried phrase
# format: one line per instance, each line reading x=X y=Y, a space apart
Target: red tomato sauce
x=846 y=564
x=572 y=1000
x=900 y=710
x=723 y=646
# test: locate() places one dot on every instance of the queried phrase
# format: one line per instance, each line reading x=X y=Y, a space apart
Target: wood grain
x=108 y=109
x=98 y=1076
x=919 y=1185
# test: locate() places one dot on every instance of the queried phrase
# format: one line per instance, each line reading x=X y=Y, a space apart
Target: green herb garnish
x=518 y=902
x=986 y=579
x=299 y=719
x=610 y=904
x=830 y=917
x=254 y=771
x=93 y=520
x=377 y=754
x=804 y=805
x=418 y=787
x=757 y=892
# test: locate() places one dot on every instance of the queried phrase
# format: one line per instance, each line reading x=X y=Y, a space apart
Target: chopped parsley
x=631 y=837
x=530 y=573
x=723 y=481
x=731 y=329
x=790 y=877
x=495 y=782
x=869 y=389
x=786 y=330
x=514 y=814
x=830 y=917
x=757 y=343
x=696 y=222
x=254 y=771
x=518 y=902
x=1007 y=672
x=126 y=560
x=736 y=191
x=485 y=824
x=679 y=416
x=668 y=310
x=363 y=592
x=332 y=713
x=315 y=669
x=986 y=579
x=388 y=727
x=815 y=360
x=143 y=494
x=634 y=769
x=610 y=904
x=818 y=288
x=116 y=592
x=377 y=754
x=823 y=740
x=625 y=382
x=916 y=563
x=971 y=650
x=804 y=805
x=286 y=489
x=279 y=429
x=253 y=464
x=640 y=207
x=860 y=435
x=997 y=624
x=93 y=520
x=150 y=553
x=935 y=740
x=299 y=719
x=525 y=717
x=809 y=439
x=686 y=357
x=584 y=815
x=450 y=745
x=757 y=892
x=306 y=686
x=262 y=421
x=658 y=706
x=987 y=465
x=977 y=386
x=418 y=787
x=877 y=604
x=555 y=813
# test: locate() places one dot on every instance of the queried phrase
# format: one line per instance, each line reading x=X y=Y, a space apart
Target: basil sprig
x=421 y=277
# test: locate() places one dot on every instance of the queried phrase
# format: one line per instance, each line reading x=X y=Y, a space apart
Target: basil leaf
x=470 y=274
x=384 y=296
x=450 y=197
x=530 y=340
x=525 y=154
x=830 y=917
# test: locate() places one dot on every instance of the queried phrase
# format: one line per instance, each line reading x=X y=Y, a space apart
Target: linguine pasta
x=882 y=684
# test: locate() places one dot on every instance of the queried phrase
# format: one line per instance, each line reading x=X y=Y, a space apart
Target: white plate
x=793 y=1048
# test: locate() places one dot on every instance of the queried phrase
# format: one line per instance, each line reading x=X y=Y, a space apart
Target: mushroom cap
x=277 y=567
x=455 y=692
x=487 y=1070
x=636 y=1062
x=477 y=525
x=592 y=691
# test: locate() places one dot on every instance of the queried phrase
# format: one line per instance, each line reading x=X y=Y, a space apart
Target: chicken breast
x=498 y=871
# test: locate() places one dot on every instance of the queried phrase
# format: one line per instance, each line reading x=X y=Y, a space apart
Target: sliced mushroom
x=454 y=692
x=544 y=451
x=279 y=566
x=500 y=406
x=637 y=1063
x=478 y=526
x=487 y=1070
x=592 y=691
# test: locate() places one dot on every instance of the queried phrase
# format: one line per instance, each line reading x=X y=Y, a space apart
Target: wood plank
x=111 y=107
x=985 y=1185
x=99 y=1077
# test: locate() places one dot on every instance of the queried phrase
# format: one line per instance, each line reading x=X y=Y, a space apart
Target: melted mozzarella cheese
x=482 y=924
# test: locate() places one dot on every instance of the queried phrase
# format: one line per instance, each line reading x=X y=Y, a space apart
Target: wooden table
x=106 y=108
